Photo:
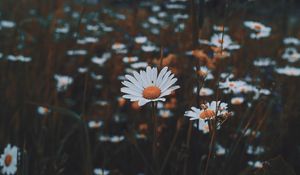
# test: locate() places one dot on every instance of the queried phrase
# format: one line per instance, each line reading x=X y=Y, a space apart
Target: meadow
x=149 y=87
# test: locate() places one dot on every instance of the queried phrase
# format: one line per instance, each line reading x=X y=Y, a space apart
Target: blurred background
x=62 y=63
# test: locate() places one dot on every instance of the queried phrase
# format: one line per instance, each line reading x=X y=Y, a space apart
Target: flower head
x=149 y=85
x=8 y=160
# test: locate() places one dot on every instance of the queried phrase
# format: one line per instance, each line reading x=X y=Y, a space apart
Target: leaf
x=276 y=166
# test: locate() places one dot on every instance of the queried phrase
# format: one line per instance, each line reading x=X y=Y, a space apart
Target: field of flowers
x=149 y=87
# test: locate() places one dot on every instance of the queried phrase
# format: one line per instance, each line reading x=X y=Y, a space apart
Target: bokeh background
x=62 y=63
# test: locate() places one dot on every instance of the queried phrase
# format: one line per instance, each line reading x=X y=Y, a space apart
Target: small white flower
x=140 y=39
x=224 y=41
x=95 y=124
x=148 y=85
x=42 y=110
x=237 y=100
x=291 y=54
x=207 y=113
x=63 y=82
x=9 y=160
x=130 y=59
x=261 y=31
x=263 y=62
x=289 y=71
x=291 y=40
x=100 y=171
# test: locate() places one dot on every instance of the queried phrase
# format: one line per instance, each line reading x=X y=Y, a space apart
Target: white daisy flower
x=100 y=171
x=289 y=71
x=148 y=85
x=261 y=31
x=237 y=100
x=291 y=54
x=263 y=62
x=9 y=160
x=291 y=40
x=63 y=81
x=225 y=41
x=206 y=113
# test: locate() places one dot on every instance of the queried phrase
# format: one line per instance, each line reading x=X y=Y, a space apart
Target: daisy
x=207 y=112
x=291 y=40
x=231 y=85
x=8 y=160
x=148 y=85
x=289 y=71
x=291 y=54
x=237 y=100
x=224 y=41
x=63 y=81
x=264 y=62
x=261 y=31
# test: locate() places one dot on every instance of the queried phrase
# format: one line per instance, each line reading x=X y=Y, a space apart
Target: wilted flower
x=148 y=85
x=9 y=160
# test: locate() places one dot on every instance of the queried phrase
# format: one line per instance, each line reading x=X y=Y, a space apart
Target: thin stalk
x=154 y=144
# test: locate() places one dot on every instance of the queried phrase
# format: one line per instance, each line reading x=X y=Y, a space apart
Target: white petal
x=139 y=79
x=173 y=81
x=143 y=102
x=160 y=75
x=169 y=91
x=165 y=79
x=133 y=80
x=132 y=86
x=131 y=92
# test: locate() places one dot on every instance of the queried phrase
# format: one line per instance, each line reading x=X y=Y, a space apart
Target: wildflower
x=119 y=47
x=42 y=110
x=255 y=164
x=220 y=28
x=207 y=112
x=204 y=91
x=224 y=41
x=130 y=59
x=291 y=55
x=232 y=86
x=261 y=31
x=165 y=113
x=148 y=85
x=100 y=171
x=9 y=160
x=263 y=62
x=237 y=100
x=76 y=52
x=7 y=24
x=140 y=39
x=289 y=71
x=95 y=124
x=291 y=40
x=63 y=82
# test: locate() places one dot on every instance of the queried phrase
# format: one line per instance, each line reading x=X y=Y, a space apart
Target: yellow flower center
x=151 y=92
x=8 y=160
x=220 y=41
x=207 y=114
x=257 y=27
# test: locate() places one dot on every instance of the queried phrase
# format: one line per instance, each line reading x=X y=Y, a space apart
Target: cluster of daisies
x=9 y=160
x=152 y=86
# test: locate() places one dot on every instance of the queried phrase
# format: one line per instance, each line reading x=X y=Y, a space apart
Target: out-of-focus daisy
x=9 y=160
x=231 y=85
x=237 y=100
x=263 y=62
x=95 y=124
x=82 y=69
x=62 y=82
x=205 y=72
x=207 y=112
x=148 y=85
x=7 y=24
x=140 y=39
x=119 y=47
x=76 y=52
x=289 y=71
x=291 y=40
x=291 y=54
x=220 y=28
x=220 y=150
x=63 y=29
x=149 y=47
x=265 y=91
x=255 y=150
x=255 y=164
x=261 y=31
x=165 y=113
x=225 y=41
x=139 y=65
x=100 y=171
x=204 y=91
x=43 y=110
x=130 y=59
x=101 y=60
x=20 y=58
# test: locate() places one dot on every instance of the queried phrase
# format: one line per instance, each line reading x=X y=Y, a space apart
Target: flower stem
x=154 y=144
